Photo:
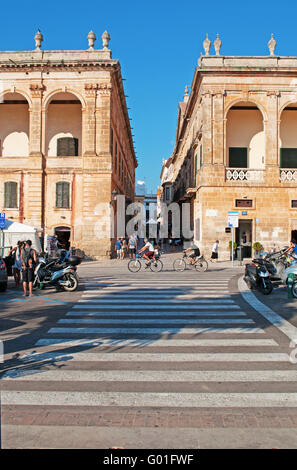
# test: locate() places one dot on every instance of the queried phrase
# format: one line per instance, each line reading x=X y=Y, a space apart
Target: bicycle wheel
x=179 y=265
x=156 y=266
x=201 y=265
x=134 y=265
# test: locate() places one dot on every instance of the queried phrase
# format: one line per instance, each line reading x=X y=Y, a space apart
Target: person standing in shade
x=28 y=257
x=17 y=265
x=118 y=247
x=215 y=252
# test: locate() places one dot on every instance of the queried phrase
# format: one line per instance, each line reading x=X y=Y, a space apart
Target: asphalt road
x=147 y=360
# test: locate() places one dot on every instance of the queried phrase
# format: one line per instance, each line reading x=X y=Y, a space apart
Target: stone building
x=65 y=142
x=236 y=150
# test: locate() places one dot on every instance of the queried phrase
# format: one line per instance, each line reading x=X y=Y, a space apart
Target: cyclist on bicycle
x=195 y=253
x=149 y=250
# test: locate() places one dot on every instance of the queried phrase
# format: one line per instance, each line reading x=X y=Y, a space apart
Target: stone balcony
x=245 y=174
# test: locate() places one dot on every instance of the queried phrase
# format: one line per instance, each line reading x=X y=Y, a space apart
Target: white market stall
x=14 y=232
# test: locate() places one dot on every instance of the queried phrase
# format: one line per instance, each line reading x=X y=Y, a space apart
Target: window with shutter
x=10 y=195
x=288 y=158
x=67 y=147
x=62 y=195
x=238 y=157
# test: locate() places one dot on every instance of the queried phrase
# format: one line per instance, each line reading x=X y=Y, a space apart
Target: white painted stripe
x=156 y=357
x=276 y=320
x=104 y=297
x=156 y=307
x=155 y=314
x=209 y=286
x=153 y=342
x=156 y=300
x=142 y=399
x=140 y=295
x=39 y=375
x=154 y=321
x=158 y=331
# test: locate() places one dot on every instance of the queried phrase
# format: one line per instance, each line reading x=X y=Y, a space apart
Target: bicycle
x=181 y=264
x=155 y=264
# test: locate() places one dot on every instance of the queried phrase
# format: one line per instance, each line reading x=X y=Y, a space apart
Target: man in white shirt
x=149 y=251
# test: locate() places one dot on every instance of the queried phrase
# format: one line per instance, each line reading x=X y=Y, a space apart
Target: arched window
x=11 y=195
x=62 y=195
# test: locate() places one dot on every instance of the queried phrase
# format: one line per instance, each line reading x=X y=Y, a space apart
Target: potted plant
x=234 y=248
x=257 y=248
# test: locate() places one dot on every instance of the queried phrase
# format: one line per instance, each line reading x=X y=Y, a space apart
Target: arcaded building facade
x=236 y=150
x=65 y=142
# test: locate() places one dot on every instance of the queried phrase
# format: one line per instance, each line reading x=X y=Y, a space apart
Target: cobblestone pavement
x=146 y=360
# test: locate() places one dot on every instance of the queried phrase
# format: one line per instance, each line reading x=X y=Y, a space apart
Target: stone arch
x=14 y=123
x=63 y=124
x=245 y=135
x=48 y=98
x=288 y=134
x=241 y=100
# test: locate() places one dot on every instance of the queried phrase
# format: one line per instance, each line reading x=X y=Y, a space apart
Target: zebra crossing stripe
x=157 y=357
x=153 y=314
x=155 y=307
x=154 y=331
x=153 y=342
x=181 y=376
x=154 y=321
x=144 y=399
x=156 y=300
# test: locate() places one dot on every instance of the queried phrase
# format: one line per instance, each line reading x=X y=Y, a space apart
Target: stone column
x=272 y=137
x=89 y=120
x=207 y=128
x=218 y=128
x=36 y=119
x=103 y=114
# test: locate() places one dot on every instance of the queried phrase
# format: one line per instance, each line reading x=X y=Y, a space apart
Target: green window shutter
x=62 y=195
x=67 y=147
x=288 y=158
x=195 y=170
x=201 y=156
x=238 y=157
x=10 y=195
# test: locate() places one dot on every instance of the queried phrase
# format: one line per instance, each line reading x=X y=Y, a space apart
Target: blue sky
x=158 y=44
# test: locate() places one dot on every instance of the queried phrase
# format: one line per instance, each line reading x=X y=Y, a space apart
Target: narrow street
x=146 y=360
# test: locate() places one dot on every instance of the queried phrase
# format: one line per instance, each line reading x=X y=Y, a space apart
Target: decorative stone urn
x=91 y=40
x=271 y=45
x=206 y=45
x=105 y=40
x=38 y=38
x=217 y=45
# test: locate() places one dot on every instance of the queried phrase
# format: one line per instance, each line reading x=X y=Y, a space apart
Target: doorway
x=244 y=237
x=63 y=235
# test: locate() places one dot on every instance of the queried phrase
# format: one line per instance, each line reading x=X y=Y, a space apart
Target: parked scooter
x=61 y=276
x=257 y=276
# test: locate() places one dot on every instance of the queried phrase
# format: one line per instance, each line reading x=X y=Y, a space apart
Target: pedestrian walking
x=215 y=252
x=17 y=264
x=29 y=258
x=118 y=248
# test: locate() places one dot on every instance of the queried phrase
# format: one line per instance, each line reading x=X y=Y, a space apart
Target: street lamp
x=114 y=194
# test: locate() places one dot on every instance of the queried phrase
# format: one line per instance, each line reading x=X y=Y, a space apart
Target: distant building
x=65 y=142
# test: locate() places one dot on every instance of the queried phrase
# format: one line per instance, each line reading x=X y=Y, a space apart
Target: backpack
x=27 y=254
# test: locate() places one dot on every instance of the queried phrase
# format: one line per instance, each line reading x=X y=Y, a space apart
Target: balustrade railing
x=288 y=175
x=245 y=174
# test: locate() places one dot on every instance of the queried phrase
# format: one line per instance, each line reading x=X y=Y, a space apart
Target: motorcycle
x=257 y=275
x=62 y=276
